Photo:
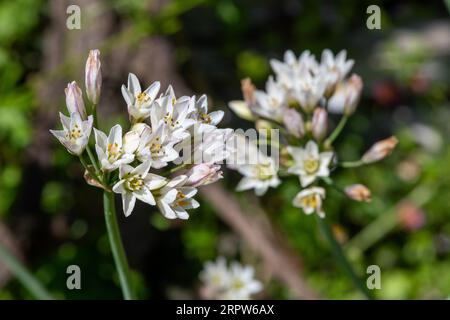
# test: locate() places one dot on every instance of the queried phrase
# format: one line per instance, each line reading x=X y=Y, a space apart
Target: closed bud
x=293 y=122
x=319 y=124
x=93 y=76
x=203 y=174
x=358 y=192
x=74 y=100
x=380 y=150
x=347 y=96
x=248 y=91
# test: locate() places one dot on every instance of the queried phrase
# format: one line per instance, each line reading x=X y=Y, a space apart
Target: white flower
x=74 y=100
x=289 y=71
x=236 y=282
x=309 y=163
x=309 y=91
x=93 y=76
x=157 y=146
x=173 y=112
x=270 y=104
x=215 y=275
x=242 y=283
x=139 y=102
x=210 y=146
x=200 y=111
x=75 y=133
x=310 y=200
x=204 y=174
x=334 y=69
x=174 y=198
x=111 y=150
x=137 y=183
x=258 y=176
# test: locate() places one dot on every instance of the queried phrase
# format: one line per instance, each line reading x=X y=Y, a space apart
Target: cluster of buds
x=161 y=126
x=297 y=101
x=234 y=282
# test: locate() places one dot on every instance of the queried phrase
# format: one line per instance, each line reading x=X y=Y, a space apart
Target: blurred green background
x=51 y=219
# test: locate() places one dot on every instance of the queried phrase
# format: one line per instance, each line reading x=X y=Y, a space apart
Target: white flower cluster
x=235 y=282
x=161 y=125
x=297 y=102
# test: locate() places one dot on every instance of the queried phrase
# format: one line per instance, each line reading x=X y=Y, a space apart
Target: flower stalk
x=341 y=257
x=117 y=249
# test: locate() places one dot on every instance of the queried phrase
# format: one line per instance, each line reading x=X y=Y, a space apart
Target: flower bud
x=346 y=97
x=294 y=122
x=248 y=91
x=74 y=100
x=203 y=174
x=380 y=150
x=358 y=192
x=93 y=76
x=319 y=124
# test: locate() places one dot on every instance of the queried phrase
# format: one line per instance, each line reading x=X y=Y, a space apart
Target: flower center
x=311 y=165
x=309 y=201
x=75 y=133
x=180 y=200
x=264 y=171
x=135 y=183
x=114 y=151
x=142 y=97
x=205 y=118
x=237 y=284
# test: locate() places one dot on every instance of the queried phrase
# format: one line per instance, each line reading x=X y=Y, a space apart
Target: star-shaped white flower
x=137 y=183
x=139 y=102
x=242 y=284
x=174 y=198
x=199 y=109
x=111 y=150
x=215 y=275
x=310 y=200
x=271 y=103
x=75 y=133
x=157 y=146
x=309 y=163
x=258 y=176
x=172 y=112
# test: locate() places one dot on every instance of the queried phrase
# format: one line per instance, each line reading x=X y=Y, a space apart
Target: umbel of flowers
x=297 y=100
x=133 y=161
x=143 y=162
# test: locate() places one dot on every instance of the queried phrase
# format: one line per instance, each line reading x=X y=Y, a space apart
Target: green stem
x=93 y=160
x=352 y=164
x=94 y=114
x=24 y=275
x=117 y=249
x=342 y=259
x=336 y=131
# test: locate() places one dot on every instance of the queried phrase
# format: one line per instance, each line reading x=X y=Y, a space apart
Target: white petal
x=145 y=196
x=128 y=202
x=133 y=84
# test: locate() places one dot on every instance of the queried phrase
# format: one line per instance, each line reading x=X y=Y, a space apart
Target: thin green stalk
x=93 y=160
x=342 y=259
x=94 y=114
x=352 y=164
x=336 y=131
x=28 y=280
x=115 y=241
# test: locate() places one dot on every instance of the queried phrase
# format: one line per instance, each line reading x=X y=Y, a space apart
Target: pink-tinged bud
x=93 y=76
x=319 y=124
x=347 y=96
x=380 y=150
x=74 y=100
x=410 y=216
x=248 y=91
x=358 y=192
x=354 y=90
x=203 y=174
x=293 y=121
